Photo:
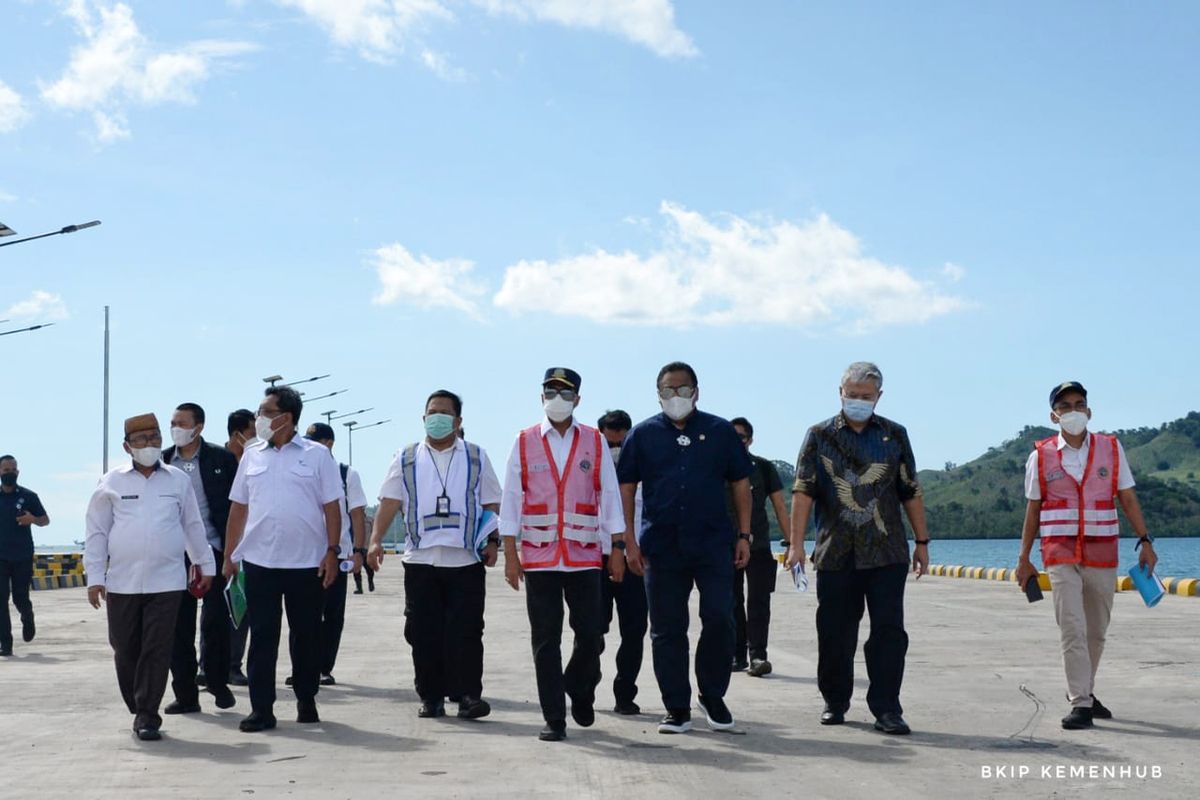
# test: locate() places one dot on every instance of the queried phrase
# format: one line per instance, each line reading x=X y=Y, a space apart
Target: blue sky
x=985 y=199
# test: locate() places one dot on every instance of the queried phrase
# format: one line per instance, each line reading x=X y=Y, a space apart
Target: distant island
x=985 y=498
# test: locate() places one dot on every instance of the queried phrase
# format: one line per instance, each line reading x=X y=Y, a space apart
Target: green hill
x=985 y=498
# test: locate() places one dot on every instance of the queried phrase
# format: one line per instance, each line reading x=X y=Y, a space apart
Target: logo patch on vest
x=1057 y=474
x=585 y=465
x=1102 y=472
x=539 y=468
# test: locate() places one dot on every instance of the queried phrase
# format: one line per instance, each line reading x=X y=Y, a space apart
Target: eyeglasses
x=1063 y=408
x=144 y=439
x=566 y=394
x=667 y=392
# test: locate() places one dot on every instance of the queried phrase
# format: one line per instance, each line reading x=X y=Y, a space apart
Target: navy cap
x=568 y=377
x=319 y=432
x=1063 y=388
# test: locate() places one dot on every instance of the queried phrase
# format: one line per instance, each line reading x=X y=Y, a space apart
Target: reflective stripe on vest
x=421 y=526
x=560 y=514
x=1078 y=520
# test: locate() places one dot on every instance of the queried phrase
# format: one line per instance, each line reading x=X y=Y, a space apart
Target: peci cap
x=568 y=377
x=1063 y=388
x=141 y=422
x=320 y=432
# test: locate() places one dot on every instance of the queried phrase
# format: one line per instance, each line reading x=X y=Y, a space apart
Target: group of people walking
x=617 y=517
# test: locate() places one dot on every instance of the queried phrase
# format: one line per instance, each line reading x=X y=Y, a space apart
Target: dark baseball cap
x=1063 y=388
x=320 y=432
x=568 y=377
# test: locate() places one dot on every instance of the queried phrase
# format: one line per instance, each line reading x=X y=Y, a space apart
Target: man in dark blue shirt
x=684 y=458
x=19 y=508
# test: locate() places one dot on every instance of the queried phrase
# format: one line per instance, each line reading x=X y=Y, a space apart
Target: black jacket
x=218 y=466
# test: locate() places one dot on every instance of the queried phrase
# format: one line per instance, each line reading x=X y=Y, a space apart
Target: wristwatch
x=336 y=549
x=618 y=544
x=920 y=541
x=746 y=537
x=493 y=538
x=362 y=551
x=1144 y=540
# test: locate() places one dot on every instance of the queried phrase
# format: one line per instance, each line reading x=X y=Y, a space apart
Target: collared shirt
x=394 y=489
x=355 y=498
x=138 y=529
x=1074 y=462
x=191 y=466
x=684 y=475
x=285 y=489
x=612 y=513
x=16 y=541
x=859 y=483
x=764 y=482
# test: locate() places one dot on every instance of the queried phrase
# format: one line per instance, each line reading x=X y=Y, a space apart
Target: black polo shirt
x=764 y=482
x=16 y=541
x=683 y=475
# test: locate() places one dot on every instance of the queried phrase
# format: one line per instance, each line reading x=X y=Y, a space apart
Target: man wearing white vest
x=1071 y=481
x=449 y=495
x=562 y=502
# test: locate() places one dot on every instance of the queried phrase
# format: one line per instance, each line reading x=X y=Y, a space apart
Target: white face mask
x=558 y=409
x=182 y=437
x=678 y=408
x=146 y=456
x=262 y=428
x=616 y=454
x=857 y=410
x=1073 y=422
x=253 y=440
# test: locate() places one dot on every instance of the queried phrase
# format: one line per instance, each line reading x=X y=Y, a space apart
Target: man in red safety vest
x=1073 y=482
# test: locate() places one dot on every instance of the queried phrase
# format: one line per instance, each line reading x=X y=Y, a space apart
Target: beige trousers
x=1083 y=600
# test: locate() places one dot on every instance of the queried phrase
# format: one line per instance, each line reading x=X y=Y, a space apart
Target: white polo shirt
x=285 y=490
x=138 y=529
x=1074 y=461
x=355 y=498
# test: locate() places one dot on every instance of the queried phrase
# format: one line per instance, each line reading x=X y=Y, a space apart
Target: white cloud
x=650 y=23
x=953 y=272
x=117 y=66
x=439 y=65
x=42 y=305
x=13 y=113
x=424 y=282
x=381 y=29
x=7 y=197
x=730 y=271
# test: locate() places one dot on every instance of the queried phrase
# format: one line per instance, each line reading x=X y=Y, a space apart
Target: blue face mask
x=439 y=426
x=857 y=410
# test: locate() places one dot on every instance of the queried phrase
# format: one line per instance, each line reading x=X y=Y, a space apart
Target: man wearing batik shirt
x=857 y=472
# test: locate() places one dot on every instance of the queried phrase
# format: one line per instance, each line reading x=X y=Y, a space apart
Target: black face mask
x=8 y=479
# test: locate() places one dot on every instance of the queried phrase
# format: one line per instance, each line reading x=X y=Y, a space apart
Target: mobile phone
x=1033 y=589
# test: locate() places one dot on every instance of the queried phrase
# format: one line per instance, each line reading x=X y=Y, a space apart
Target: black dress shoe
x=6 y=651
x=28 y=631
x=177 y=707
x=739 y=665
x=627 y=708
x=431 y=710
x=224 y=697
x=327 y=680
x=238 y=678
x=1078 y=719
x=892 y=724
x=288 y=681
x=554 y=731
x=583 y=712
x=1099 y=711
x=257 y=721
x=148 y=734
x=306 y=712
x=831 y=716
x=473 y=708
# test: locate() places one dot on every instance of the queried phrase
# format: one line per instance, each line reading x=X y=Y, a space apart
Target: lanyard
x=443 y=502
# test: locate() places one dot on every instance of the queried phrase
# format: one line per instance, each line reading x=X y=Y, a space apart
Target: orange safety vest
x=1078 y=520
x=560 y=514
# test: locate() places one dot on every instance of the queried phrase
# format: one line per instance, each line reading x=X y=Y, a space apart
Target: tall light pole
x=105 y=460
x=322 y=397
x=351 y=427
x=30 y=328
x=65 y=229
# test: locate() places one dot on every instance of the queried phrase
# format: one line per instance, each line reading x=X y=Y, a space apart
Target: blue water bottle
x=1147 y=584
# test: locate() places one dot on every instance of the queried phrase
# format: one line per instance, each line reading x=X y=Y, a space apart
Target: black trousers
x=841 y=595
x=15 y=579
x=300 y=592
x=752 y=605
x=370 y=579
x=237 y=644
x=629 y=597
x=443 y=624
x=214 y=641
x=333 y=621
x=141 y=632
x=545 y=591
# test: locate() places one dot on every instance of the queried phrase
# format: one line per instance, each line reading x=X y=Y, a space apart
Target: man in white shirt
x=141 y=519
x=562 y=501
x=449 y=495
x=285 y=527
x=354 y=532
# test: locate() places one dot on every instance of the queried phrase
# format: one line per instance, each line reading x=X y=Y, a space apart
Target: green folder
x=235 y=598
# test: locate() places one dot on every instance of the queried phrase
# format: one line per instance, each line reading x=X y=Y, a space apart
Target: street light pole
x=66 y=229
x=30 y=328
x=351 y=428
x=105 y=459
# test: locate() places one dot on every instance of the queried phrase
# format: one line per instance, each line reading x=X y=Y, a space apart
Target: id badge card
x=443 y=506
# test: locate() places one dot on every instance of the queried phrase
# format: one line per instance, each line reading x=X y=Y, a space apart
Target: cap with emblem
x=320 y=432
x=1063 y=388
x=562 y=375
x=142 y=422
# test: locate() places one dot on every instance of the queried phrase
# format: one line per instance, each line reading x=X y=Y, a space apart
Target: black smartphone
x=1033 y=589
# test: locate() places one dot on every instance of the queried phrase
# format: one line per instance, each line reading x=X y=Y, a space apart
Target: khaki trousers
x=1083 y=600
